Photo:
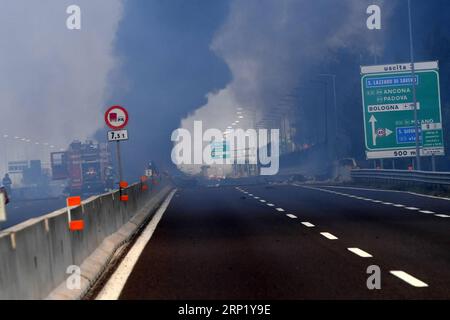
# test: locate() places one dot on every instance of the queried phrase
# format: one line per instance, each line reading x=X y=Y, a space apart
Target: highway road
x=293 y=242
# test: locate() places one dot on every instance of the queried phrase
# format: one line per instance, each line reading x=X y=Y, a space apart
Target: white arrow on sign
x=373 y=120
x=388 y=132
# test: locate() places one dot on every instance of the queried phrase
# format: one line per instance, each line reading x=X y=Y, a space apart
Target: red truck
x=86 y=166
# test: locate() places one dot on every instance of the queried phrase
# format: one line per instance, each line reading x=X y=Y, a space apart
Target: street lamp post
x=326 y=131
x=413 y=73
x=333 y=77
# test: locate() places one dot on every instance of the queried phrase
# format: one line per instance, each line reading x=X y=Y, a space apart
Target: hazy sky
x=174 y=61
x=53 y=81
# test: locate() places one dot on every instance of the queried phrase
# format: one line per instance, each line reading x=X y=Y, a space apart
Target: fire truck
x=87 y=167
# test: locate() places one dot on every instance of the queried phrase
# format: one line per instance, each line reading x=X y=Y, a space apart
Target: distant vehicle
x=298 y=178
x=7 y=183
x=344 y=168
x=151 y=170
x=5 y=193
x=348 y=162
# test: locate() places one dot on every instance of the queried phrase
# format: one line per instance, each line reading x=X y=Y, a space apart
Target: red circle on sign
x=109 y=119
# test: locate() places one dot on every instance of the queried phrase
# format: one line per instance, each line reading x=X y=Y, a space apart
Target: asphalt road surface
x=295 y=242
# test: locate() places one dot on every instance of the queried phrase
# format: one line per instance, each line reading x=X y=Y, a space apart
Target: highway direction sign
x=118 y=135
x=387 y=95
x=116 y=117
x=220 y=150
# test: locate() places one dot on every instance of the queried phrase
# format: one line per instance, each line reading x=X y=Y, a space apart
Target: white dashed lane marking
x=263 y=201
x=409 y=279
x=329 y=236
x=308 y=224
x=292 y=216
x=280 y=209
x=271 y=205
x=360 y=252
x=442 y=215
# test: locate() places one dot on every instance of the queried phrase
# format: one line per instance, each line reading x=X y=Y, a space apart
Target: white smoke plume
x=53 y=81
x=270 y=45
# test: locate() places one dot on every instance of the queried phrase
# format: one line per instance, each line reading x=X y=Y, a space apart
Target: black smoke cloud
x=186 y=60
x=167 y=70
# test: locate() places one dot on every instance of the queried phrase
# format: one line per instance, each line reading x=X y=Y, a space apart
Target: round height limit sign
x=116 y=117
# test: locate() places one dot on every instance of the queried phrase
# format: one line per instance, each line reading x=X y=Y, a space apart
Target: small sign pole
x=119 y=161
x=116 y=117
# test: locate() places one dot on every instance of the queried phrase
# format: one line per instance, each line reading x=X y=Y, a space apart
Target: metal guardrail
x=423 y=177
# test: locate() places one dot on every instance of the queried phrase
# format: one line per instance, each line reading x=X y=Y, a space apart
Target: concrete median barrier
x=35 y=256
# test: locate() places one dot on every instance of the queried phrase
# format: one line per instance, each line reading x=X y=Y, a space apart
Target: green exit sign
x=387 y=94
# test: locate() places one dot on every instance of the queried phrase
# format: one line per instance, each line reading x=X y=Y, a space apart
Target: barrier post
x=74 y=225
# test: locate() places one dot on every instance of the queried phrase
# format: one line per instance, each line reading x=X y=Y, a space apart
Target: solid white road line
x=308 y=224
x=115 y=284
x=271 y=205
x=280 y=209
x=360 y=252
x=292 y=216
x=379 y=201
x=442 y=215
x=409 y=279
x=389 y=191
x=329 y=236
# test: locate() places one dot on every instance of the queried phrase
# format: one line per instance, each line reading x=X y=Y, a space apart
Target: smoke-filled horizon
x=173 y=62
x=272 y=48
x=54 y=81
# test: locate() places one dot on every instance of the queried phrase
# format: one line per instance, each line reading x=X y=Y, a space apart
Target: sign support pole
x=116 y=117
x=119 y=162
x=413 y=71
